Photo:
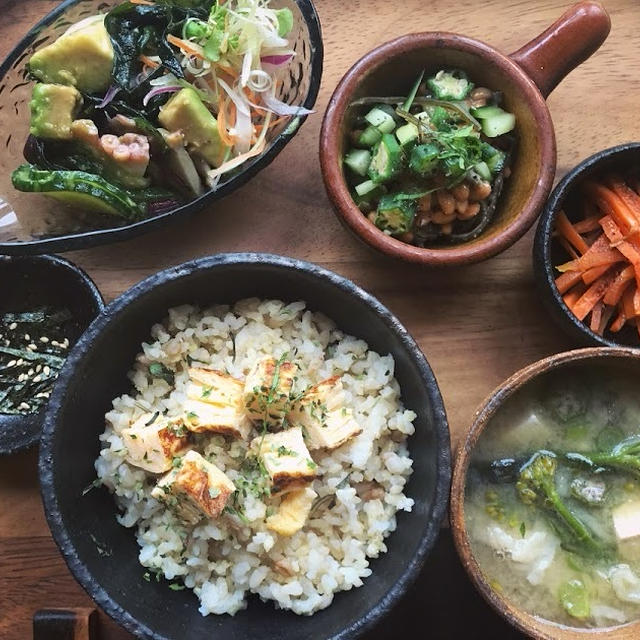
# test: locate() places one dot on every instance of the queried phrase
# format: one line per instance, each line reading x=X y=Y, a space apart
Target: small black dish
x=547 y=252
x=103 y=555
x=29 y=282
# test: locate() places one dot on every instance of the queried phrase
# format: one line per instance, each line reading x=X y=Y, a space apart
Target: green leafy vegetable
x=574 y=599
x=158 y=370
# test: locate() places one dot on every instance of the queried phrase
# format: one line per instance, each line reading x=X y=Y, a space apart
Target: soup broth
x=582 y=568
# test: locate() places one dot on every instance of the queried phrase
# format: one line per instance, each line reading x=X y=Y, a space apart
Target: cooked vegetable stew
x=139 y=110
x=600 y=283
x=428 y=168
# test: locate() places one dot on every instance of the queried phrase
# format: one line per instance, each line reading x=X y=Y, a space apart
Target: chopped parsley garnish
x=96 y=483
x=192 y=415
x=158 y=370
x=206 y=392
x=174 y=586
x=312 y=465
x=283 y=451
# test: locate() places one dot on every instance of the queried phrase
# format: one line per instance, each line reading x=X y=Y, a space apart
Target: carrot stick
x=185 y=46
x=599 y=253
x=574 y=295
x=596 y=316
x=565 y=281
x=146 y=59
x=629 y=197
x=591 y=275
x=604 y=321
x=142 y=2
x=568 y=248
x=222 y=126
x=627 y=303
x=619 y=322
x=566 y=230
x=592 y=295
x=588 y=224
x=622 y=281
x=610 y=204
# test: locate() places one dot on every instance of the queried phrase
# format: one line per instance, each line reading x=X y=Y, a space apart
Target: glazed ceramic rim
x=111 y=314
x=96 y=237
x=542 y=246
x=85 y=287
x=335 y=184
x=482 y=418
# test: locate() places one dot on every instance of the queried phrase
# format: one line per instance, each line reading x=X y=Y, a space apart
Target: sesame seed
x=46 y=370
x=22 y=377
x=27 y=337
x=13 y=325
x=11 y=363
x=39 y=368
x=20 y=361
x=37 y=378
x=30 y=372
x=55 y=343
x=46 y=394
x=25 y=406
x=44 y=339
x=6 y=343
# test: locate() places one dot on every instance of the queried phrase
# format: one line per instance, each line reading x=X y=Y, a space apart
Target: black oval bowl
x=14 y=110
x=103 y=556
x=29 y=282
x=547 y=252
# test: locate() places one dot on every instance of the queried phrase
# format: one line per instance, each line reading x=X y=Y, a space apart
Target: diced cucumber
x=358 y=160
x=366 y=187
x=482 y=170
x=387 y=158
x=370 y=137
x=424 y=158
x=498 y=125
x=407 y=134
x=486 y=112
x=380 y=119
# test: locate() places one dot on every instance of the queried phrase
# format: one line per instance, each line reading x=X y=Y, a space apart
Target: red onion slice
x=109 y=96
x=277 y=60
x=158 y=90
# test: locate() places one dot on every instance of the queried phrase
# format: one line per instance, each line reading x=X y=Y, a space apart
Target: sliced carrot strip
x=146 y=59
x=142 y=2
x=590 y=223
x=591 y=275
x=592 y=295
x=596 y=316
x=628 y=196
x=610 y=204
x=599 y=253
x=604 y=321
x=618 y=286
x=619 y=322
x=574 y=295
x=565 y=281
x=565 y=228
x=185 y=46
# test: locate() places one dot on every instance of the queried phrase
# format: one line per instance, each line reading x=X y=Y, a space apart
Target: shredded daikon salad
x=233 y=60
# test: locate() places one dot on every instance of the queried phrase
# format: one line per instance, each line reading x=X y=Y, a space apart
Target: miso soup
x=552 y=499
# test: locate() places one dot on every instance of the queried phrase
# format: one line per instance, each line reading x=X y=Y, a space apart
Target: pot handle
x=568 y=42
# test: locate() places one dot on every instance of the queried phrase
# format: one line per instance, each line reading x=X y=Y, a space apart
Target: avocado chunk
x=82 y=59
x=53 y=109
x=185 y=112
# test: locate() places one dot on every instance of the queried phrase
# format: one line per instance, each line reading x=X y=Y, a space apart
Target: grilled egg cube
x=293 y=512
x=153 y=441
x=215 y=404
x=267 y=389
x=194 y=488
x=327 y=423
x=286 y=459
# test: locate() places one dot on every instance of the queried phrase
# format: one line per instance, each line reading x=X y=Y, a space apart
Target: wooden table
x=477 y=325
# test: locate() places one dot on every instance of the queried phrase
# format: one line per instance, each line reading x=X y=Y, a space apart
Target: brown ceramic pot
x=627 y=360
x=526 y=78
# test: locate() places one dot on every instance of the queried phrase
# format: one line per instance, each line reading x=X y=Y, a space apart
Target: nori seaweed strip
x=27 y=316
x=54 y=361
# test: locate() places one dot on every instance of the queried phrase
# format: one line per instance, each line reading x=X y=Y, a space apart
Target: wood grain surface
x=476 y=325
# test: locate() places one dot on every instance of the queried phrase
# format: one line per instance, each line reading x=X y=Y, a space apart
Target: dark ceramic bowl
x=625 y=362
x=525 y=78
x=31 y=223
x=547 y=252
x=103 y=556
x=29 y=282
